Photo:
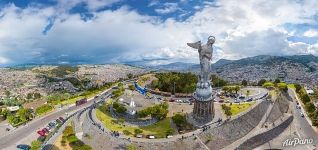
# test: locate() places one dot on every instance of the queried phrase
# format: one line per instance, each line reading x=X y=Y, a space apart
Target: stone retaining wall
x=281 y=106
x=264 y=137
x=228 y=132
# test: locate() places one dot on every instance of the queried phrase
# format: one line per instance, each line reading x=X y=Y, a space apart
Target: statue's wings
x=195 y=45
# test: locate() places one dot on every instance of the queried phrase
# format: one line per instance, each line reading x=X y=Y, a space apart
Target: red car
x=41 y=133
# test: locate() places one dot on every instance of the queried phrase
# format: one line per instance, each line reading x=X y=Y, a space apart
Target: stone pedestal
x=203 y=111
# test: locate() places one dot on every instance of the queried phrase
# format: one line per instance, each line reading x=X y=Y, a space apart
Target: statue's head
x=211 y=40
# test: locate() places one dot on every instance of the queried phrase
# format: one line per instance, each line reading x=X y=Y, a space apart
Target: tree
x=268 y=84
x=248 y=92
x=305 y=98
x=236 y=89
x=226 y=89
x=37 y=95
x=131 y=87
x=227 y=110
x=277 y=81
x=310 y=107
x=217 y=81
x=130 y=75
x=297 y=87
x=179 y=119
x=7 y=93
x=282 y=86
x=138 y=131
x=29 y=96
x=36 y=145
x=121 y=109
x=261 y=82
x=244 y=83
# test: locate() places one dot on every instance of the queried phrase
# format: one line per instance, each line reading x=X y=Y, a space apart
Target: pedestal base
x=203 y=111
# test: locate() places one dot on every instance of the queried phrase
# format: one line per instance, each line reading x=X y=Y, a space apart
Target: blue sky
x=151 y=31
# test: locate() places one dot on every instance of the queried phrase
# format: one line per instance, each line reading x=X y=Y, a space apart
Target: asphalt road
x=304 y=129
x=39 y=123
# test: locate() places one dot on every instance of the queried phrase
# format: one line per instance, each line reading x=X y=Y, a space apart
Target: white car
x=169 y=136
x=151 y=137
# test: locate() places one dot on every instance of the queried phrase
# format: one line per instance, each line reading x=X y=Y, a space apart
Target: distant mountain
x=176 y=66
x=267 y=60
x=296 y=68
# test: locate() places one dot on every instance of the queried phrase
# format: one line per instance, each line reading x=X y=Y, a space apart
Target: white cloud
x=242 y=29
x=311 y=33
x=168 y=8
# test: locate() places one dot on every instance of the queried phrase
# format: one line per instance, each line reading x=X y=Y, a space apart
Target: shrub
x=282 y=86
x=305 y=98
x=126 y=132
x=138 y=131
x=261 y=82
x=227 y=110
x=36 y=145
x=310 y=107
x=297 y=87
x=179 y=119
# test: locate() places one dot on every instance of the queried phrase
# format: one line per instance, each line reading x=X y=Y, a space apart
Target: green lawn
x=72 y=100
x=159 y=129
x=238 y=108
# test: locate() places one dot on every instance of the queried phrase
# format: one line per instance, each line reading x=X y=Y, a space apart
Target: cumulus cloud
x=242 y=29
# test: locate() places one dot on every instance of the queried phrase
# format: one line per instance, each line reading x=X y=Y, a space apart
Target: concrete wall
x=236 y=128
x=280 y=106
x=264 y=137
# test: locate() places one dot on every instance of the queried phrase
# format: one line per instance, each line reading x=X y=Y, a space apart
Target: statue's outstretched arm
x=195 y=45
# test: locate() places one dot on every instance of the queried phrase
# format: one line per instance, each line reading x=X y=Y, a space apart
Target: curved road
x=36 y=124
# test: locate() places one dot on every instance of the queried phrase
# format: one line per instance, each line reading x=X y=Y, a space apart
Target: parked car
x=58 y=121
x=151 y=137
x=45 y=130
x=52 y=124
x=241 y=97
x=249 y=100
x=139 y=136
x=169 y=136
x=41 y=132
x=221 y=101
x=23 y=147
x=62 y=119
